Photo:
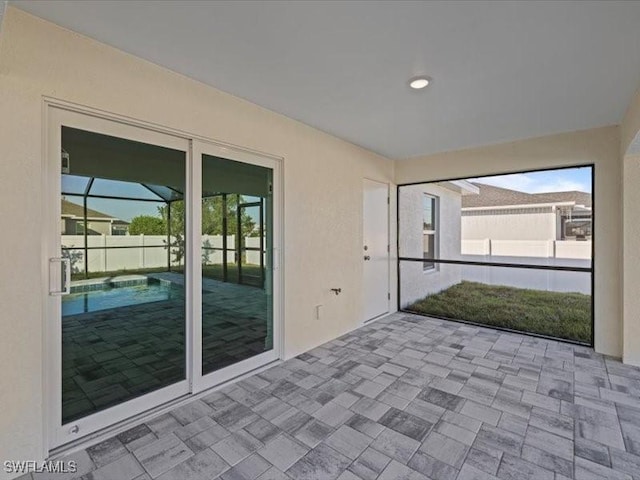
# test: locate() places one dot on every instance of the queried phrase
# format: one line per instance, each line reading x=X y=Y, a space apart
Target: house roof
x=463 y=187
x=580 y=198
x=70 y=209
x=492 y=196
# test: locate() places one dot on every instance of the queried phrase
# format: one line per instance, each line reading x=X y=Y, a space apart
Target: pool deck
x=110 y=356
x=90 y=284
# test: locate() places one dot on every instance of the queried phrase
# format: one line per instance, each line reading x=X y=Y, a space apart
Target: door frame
x=53 y=112
x=387 y=186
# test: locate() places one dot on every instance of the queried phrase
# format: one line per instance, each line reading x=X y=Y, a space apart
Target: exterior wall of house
x=630 y=125
x=513 y=224
x=98 y=227
x=600 y=147
x=531 y=249
x=630 y=160
x=322 y=190
x=631 y=264
x=416 y=283
x=73 y=226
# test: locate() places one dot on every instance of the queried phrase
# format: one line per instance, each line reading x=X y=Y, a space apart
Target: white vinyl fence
x=549 y=280
x=528 y=248
x=530 y=252
x=145 y=251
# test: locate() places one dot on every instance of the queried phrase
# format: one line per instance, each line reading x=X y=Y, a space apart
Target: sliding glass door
x=160 y=276
x=116 y=298
x=238 y=295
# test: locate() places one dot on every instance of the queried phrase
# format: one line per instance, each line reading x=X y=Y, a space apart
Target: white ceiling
x=502 y=70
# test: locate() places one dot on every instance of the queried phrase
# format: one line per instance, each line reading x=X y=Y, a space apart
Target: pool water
x=114 y=296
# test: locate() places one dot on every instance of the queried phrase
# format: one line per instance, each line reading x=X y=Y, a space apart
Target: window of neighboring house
x=429 y=230
x=119 y=229
x=577 y=228
x=80 y=228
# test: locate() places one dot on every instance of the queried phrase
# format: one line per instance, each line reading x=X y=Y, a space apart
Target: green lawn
x=561 y=315
x=250 y=273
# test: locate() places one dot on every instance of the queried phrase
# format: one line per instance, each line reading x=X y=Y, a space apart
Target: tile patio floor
x=403 y=398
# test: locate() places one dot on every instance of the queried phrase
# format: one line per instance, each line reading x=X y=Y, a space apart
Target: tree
x=147 y=225
x=174 y=215
x=212 y=222
x=212 y=217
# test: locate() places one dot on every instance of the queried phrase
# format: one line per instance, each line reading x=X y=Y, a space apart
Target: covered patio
x=404 y=397
x=215 y=214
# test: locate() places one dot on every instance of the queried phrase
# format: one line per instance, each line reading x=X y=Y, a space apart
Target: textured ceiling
x=502 y=70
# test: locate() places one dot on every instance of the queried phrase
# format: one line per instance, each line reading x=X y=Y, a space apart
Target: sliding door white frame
x=58 y=433
x=57 y=113
x=204 y=381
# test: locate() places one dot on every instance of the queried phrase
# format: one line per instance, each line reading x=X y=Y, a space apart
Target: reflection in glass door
x=155 y=290
x=122 y=232
x=251 y=239
x=237 y=279
x=116 y=283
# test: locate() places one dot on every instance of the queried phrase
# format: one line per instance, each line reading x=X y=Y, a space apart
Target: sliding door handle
x=65 y=288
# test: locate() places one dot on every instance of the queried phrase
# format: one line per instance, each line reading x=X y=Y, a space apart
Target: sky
x=127 y=209
x=121 y=209
x=544 y=181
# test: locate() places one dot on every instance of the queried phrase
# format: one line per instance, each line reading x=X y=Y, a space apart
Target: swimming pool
x=114 y=294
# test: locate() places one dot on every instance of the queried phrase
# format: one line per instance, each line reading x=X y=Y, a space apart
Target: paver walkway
x=110 y=356
x=406 y=397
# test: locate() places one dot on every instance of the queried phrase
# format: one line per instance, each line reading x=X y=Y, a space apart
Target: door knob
x=367 y=257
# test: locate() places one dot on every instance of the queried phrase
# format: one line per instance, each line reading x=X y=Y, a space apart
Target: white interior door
x=375 y=253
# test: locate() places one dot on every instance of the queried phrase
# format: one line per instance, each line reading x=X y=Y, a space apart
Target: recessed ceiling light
x=418 y=83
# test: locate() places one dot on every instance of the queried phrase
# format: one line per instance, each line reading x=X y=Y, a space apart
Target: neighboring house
x=457 y=220
x=98 y=223
x=499 y=214
x=430 y=219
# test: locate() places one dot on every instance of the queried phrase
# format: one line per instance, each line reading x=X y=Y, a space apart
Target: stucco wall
x=322 y=183
x=630 y=161
x=631 y=265
x=598 y=146
x=630 y=130
x=415 y=282
x=523 y=225
x=630 y=125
